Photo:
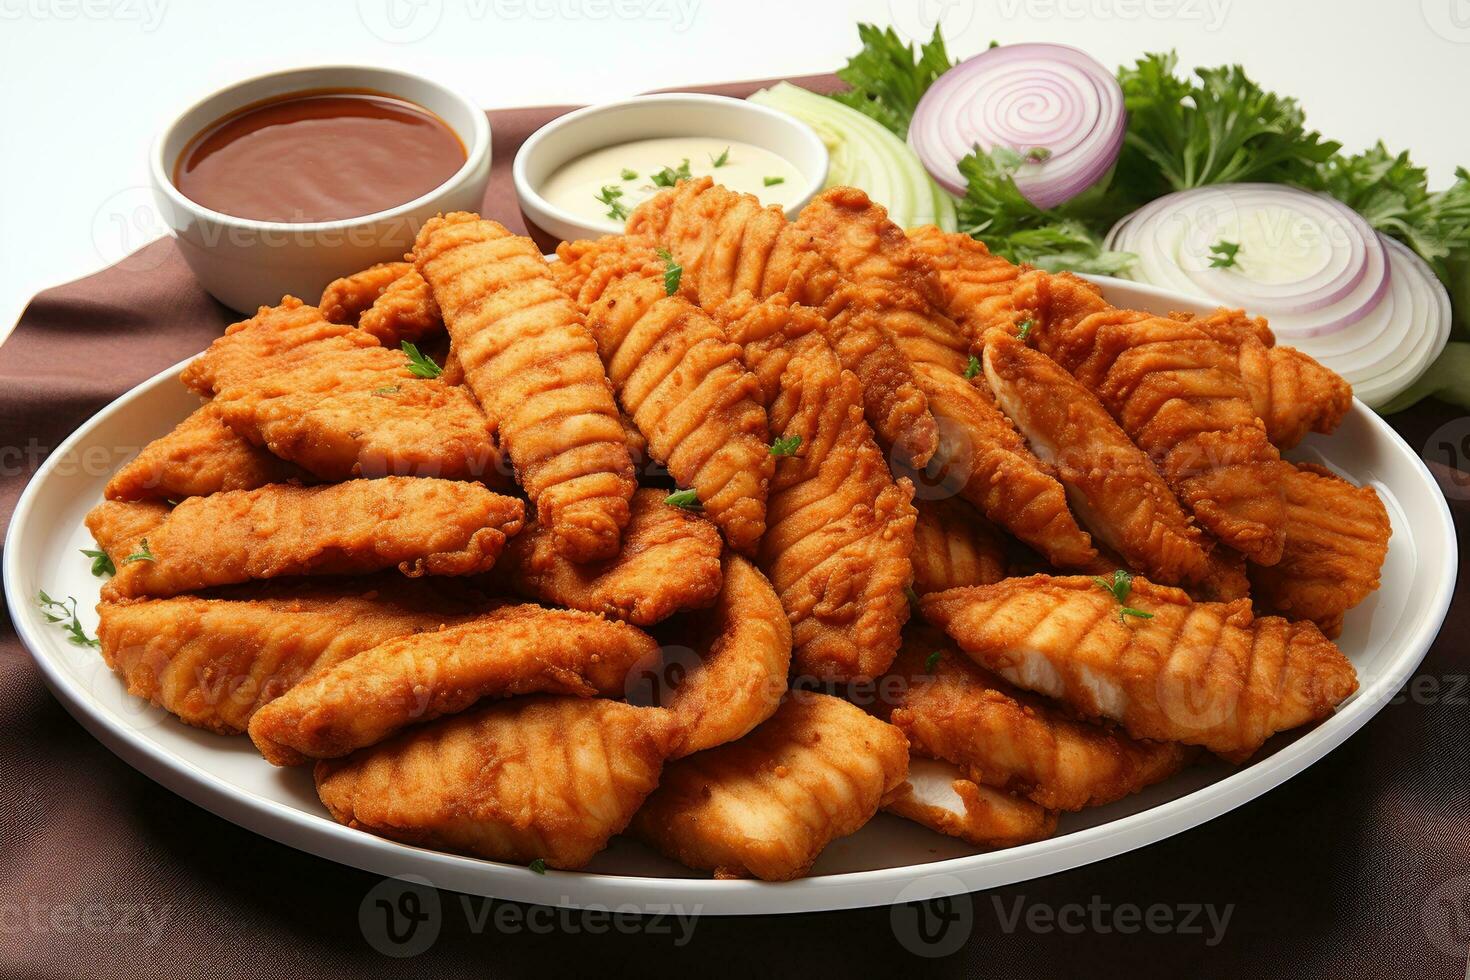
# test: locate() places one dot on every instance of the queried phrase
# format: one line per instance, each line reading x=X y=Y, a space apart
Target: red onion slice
x=1047 y=98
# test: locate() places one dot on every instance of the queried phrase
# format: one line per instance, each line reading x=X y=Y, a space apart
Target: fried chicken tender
x=1004 y=738
x=215 y=662
x=405 y=311
x=939 y=796
x=424 y=527
x=1110 y=483
x=979 y=449
x=730 y=246
x=742 y=655
x=1336 y=540
x=120 y=527
x=670 y=561
x=1177 y=394
x=346 y=299
x=413 y=679
x=585 y=269
x=839 y=528
x=1202 y=673
x=767 y=805
x=530 y=778
x=975 y=285
x=276 y=338
x=202 y=455
x=533 y=366
x=954 y=546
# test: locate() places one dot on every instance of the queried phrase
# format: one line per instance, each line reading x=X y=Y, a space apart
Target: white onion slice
x=1028 y=97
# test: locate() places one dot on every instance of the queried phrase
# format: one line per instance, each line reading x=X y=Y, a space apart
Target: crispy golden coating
x=585 y=269
x=670 y=561
x=741 y=655
x=954 y=546
x=1111 y=484
x=424 y=527
x=976 y=286
x=767 y=805
x=681 y=381
x=531 y=778
x=534 y=368
x=839 y=528
x=276 y=338
x=1201 y=673
x=119 y=527
x=215 y=662
x=202 y=455
x=951 y=709
x=1289 y=391
x=346 y=299
x=1336 y=539
x=1177 y=394
x=413 y=679
x=939 y=796
x=980 y=452
x=730 y=246
x=405 y=311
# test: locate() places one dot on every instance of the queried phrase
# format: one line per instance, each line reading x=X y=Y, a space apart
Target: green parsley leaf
x=773 y=181
x=1222 y=254
x=609 y=195
x=1023 y=331
x=932 y=661
x=1118 y=587
x=673 y=271
x=64 y=613
x=973 y=368
x=101 y=562
x=629 y=174
x=144 y=553
x=720 y=160
x=1130 y=611
x=887 y=77
x=687 y=499
x=420 y=365
x=538 y=866
x=786 y=446
x=669 y=176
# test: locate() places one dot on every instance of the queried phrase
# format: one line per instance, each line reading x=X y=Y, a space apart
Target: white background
x=88 y=82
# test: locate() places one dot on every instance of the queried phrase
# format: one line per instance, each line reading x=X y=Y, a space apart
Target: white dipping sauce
x=604 y=186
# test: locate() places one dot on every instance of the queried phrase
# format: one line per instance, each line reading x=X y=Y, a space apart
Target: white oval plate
x=1385 y=637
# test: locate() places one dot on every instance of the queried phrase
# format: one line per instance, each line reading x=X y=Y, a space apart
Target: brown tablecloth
x=1358 y=867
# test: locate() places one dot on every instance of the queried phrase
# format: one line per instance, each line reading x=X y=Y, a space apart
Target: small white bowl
x=245 y=263
x=653 y=117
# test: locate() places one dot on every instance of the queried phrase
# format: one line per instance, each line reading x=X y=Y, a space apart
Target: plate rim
x=323 y=837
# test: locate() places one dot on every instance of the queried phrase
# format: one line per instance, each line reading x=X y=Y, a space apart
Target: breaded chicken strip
x=1336 y=540
x=533 y=778
x=346 y=299
x=405 y=311
x=729 y=246
x=767 y=805
x=424 y=527
x=202 y=455
x=670 y=561
x=954 y=546
x=215 y=662
x=940 y=796
x=741 y=654
x=276 y=338
x=681 y=381
x=585 y=269
x=1202 y=673
x=533 y=366
x=980 y=452
x=413 y=679
x=1177 y=394
x=951 y=709
x=975 y=285
x=839 y=528
x=121 y=527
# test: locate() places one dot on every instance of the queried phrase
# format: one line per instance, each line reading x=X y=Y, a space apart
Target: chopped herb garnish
x=629 y=174
x=538 y=866
x=1118 y=587
x=65 y=614
x=673 y=272
x=973 y=368
x=144 y=553
x=386 y=390
x=1038 y=154
x=773 y=181
x=687 y=499
x=669 y=176
x=786 y=446
x=616 y=210
x=1222 y=254
x=101 y=563
x=420 y=365
x=720 y=160
x=932 y=661
x=1023 y=330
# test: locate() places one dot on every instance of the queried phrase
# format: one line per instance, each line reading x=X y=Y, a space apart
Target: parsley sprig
x=669 y=176
x=1023 y=329
x=1222 y=254
x=673 y=271
x=144 y=553
x=785 y=445
x=720 y=160
x=64 y=614
x=972 y=368
x=685 y=499
x=1118 y=587
x=101 y=562
x=616 y=210
x=420 y=365
x=932 y=661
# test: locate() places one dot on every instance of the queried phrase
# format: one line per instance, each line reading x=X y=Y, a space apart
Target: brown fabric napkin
x=1359 y=866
